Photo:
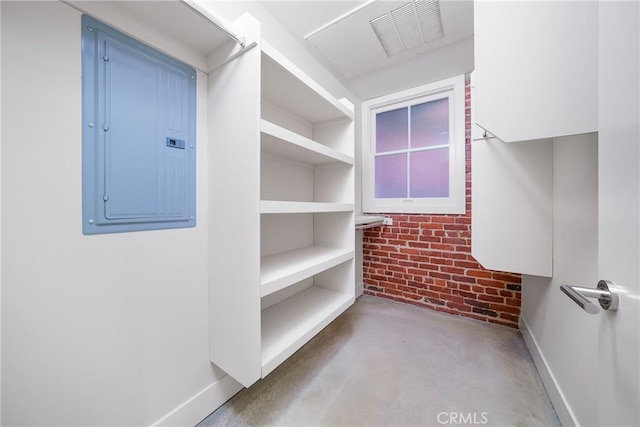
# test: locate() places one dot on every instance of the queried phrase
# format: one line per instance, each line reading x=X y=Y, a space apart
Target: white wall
x=551 y=322
x=96 y=330
x=108 y=329
x=0 y=227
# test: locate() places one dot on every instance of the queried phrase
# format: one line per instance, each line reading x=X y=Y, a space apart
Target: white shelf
x=276 y=207
x=299 y=272
x=288 y=325
x=278 y=140
x=282 y=270
x=368 y=219
x=288 y=87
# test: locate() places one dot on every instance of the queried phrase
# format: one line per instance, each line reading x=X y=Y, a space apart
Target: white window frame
x=452 y=88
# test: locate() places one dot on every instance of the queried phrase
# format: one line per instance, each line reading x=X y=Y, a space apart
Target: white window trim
x=456 y=202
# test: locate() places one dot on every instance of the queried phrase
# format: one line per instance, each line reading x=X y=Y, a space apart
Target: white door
x=618 y=373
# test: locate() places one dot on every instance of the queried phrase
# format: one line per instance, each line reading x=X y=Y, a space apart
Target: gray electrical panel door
x=138 y=135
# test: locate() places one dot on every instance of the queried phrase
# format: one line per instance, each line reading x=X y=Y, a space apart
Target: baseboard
x=202 y=404
x=565 y=414
x=359 y=289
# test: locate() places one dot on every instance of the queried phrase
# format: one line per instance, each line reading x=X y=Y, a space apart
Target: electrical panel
x=138 y=139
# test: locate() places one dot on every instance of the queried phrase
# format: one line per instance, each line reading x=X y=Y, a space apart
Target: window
x=138 y=135
x=413 y=150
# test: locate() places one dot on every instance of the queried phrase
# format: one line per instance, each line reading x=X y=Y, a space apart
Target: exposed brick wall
x=426 y=260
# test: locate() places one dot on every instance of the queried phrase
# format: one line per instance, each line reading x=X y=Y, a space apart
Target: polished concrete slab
x=392 y=364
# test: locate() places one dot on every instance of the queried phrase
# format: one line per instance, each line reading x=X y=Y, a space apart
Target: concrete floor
x=386 y=363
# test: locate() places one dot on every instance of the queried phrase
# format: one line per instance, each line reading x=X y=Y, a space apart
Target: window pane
x=392 y=130
x=430 y=173
x=430 y=123
x=391 y=176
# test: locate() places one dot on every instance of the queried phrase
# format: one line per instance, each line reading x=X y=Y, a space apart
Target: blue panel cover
x=138 y=135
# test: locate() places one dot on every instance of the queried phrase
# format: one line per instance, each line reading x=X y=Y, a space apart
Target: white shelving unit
x=287 y=268
x=273 y=207
x=296 y=180
x=288 y=325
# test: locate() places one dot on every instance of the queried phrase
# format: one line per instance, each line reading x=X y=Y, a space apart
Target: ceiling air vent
x=408 y=27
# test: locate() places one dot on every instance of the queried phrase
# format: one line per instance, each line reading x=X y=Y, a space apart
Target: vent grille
x=408 y=27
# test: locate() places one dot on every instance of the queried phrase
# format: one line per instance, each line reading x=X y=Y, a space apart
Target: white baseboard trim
x=202 y=404
x=359 y=289
x=565 y=414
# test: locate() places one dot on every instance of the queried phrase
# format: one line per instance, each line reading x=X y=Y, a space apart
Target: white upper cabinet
x=536 y=68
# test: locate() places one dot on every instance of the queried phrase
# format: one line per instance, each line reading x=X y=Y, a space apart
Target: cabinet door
x=536 y=68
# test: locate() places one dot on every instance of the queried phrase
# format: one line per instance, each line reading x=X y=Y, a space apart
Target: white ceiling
x=349 y=47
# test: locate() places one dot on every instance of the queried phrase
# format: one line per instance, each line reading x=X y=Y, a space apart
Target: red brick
x=505 y=308
x=419 y=245
x=440 y=282
x=453 y=298
x=491 y=283
x=452 y=270
x=478 y=273
x=430 y=239
x=459 y=307
x=511 y=317
x=466 y=294
x=407 y=237
x=405 y=288
x=468 y=264
x=454 y=241
x=441 y=275
x=431 y=226
x=491 y=298
x=513 y=302
x=454 y=227
x=465 y=279
x=507 y=277
x=427 y=293
x=443 y=219
x=411 y=296
x=442 y=247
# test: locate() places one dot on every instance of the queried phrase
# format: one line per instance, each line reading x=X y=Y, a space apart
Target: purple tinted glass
x=430 y=123
x=391 y=176
x=392 y=130
x=430 y=173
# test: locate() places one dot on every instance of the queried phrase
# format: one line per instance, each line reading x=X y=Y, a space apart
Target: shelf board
x=288 y=325
x=368 y=219
x=285 y=85
x=277 y=206
x=282 y=270
x=281 y=141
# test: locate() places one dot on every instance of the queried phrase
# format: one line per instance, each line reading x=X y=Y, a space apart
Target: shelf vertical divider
x=234 y=217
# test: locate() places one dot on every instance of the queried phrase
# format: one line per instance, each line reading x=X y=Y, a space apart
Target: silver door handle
x=605 y=293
